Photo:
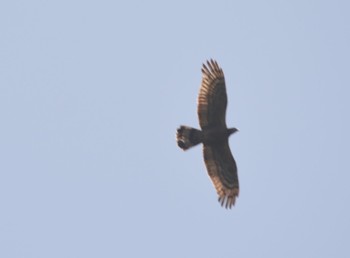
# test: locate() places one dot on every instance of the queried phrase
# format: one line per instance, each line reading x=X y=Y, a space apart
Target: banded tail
x=188 y=137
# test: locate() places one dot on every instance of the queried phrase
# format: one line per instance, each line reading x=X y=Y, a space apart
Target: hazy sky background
x=91 y=94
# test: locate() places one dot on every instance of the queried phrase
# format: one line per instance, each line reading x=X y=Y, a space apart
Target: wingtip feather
x=228 y=199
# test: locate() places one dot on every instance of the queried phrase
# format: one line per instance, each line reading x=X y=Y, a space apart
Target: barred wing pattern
x=212 y=98
x=212 y=103
x=222 y=170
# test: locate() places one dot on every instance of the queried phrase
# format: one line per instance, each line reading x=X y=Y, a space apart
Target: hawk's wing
x=222 y=170
x=212 y=99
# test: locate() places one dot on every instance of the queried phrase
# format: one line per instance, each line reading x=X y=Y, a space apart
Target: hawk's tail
x=188 y=137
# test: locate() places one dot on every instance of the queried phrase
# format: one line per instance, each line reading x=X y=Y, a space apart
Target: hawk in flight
x=212 y=102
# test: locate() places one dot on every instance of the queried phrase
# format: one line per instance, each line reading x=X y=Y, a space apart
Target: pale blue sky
x=91 y=94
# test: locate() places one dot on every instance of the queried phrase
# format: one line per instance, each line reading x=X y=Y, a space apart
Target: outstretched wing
x=212 y=99
x=222 y=170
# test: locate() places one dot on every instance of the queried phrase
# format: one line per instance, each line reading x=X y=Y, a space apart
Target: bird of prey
x=214 y=134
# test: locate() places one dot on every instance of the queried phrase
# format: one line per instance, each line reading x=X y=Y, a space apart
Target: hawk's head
x=232 y=131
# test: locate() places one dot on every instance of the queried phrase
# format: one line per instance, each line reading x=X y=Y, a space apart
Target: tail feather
x=188 y=137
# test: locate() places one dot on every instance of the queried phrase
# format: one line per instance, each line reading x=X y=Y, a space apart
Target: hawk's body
x=212 y=103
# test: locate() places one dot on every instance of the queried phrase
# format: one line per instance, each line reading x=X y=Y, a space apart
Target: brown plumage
x=212 y=103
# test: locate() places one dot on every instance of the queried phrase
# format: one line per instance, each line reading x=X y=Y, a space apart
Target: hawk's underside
x=212 y=103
